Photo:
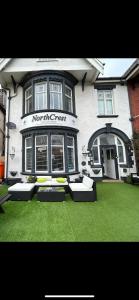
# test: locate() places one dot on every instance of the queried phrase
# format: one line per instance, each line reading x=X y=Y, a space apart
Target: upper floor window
x=41 y=96
x=50 y=90
x=56 y=95
x=105 y=103
x=28 y=100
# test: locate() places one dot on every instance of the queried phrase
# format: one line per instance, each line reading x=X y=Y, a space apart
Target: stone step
x=113 y=180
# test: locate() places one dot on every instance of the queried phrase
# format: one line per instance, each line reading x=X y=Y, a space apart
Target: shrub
x=129 y=179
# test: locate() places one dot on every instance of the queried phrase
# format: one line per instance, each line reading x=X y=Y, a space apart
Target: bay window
x=28 y=154
x=50 y=90
x=50 y=151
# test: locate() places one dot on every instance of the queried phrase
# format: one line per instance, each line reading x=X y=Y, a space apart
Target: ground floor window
x=50 y=151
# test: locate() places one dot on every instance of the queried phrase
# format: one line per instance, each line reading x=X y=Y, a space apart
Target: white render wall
x=87 y=122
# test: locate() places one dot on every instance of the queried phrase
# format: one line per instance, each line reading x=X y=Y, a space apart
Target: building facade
x=61 y=119
x=132 y=78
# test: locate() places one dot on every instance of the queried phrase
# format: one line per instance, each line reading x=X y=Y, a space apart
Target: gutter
x=7 y=135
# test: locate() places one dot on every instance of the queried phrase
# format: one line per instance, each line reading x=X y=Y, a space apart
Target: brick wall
x=133 y=91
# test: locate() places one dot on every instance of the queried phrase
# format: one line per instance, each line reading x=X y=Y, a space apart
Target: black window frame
x=49 y=132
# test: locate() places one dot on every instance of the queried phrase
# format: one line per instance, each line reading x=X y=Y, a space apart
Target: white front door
x=109 y=163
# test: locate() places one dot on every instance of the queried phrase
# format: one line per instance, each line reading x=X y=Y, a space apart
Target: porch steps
x=113 y=180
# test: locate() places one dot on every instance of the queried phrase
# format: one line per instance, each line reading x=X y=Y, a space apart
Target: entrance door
x=109 y=161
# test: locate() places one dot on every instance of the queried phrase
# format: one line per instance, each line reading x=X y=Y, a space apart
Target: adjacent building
x=132 y=78
x=62 y=119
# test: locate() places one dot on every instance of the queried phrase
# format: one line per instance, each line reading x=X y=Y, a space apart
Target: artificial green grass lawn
x=114 y=217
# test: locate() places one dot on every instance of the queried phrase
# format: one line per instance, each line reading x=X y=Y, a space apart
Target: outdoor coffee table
x=54 y=194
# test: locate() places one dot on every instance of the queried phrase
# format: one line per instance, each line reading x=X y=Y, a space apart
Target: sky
x=115 y=67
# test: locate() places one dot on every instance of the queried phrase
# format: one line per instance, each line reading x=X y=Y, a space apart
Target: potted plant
x=13 y=173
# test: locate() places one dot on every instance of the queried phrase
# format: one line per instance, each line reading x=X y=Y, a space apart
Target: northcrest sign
x=51 y=117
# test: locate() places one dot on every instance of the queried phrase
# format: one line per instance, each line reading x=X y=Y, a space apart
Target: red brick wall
x=133 y=91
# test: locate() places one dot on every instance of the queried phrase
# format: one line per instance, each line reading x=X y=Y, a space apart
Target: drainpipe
x=7 y=136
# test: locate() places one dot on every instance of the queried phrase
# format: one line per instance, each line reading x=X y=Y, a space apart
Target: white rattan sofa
x=21 y=191
x=85 y=191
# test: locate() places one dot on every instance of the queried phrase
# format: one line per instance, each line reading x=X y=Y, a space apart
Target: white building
x=64 y=120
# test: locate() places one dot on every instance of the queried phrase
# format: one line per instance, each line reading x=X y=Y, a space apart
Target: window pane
x=56 y=87
x=119 y=142
x=95 y=154
x=108 y=94
x=57 y=158
x=68 y=91
x=101 y=95
x=101 y=107
x=55 y=100
x=40 y=88
x=108 y=154
x=120 y=154
x=41 y=140
x=28 y=100
x=41 y=158
x=57 y=140
x=29 y=105
x=29 y=142
x=28 y=92
x=41 y=96
x=70 y=141
x=109 y=107
x=29 y=159
x=71 y=166
x=68 y=104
